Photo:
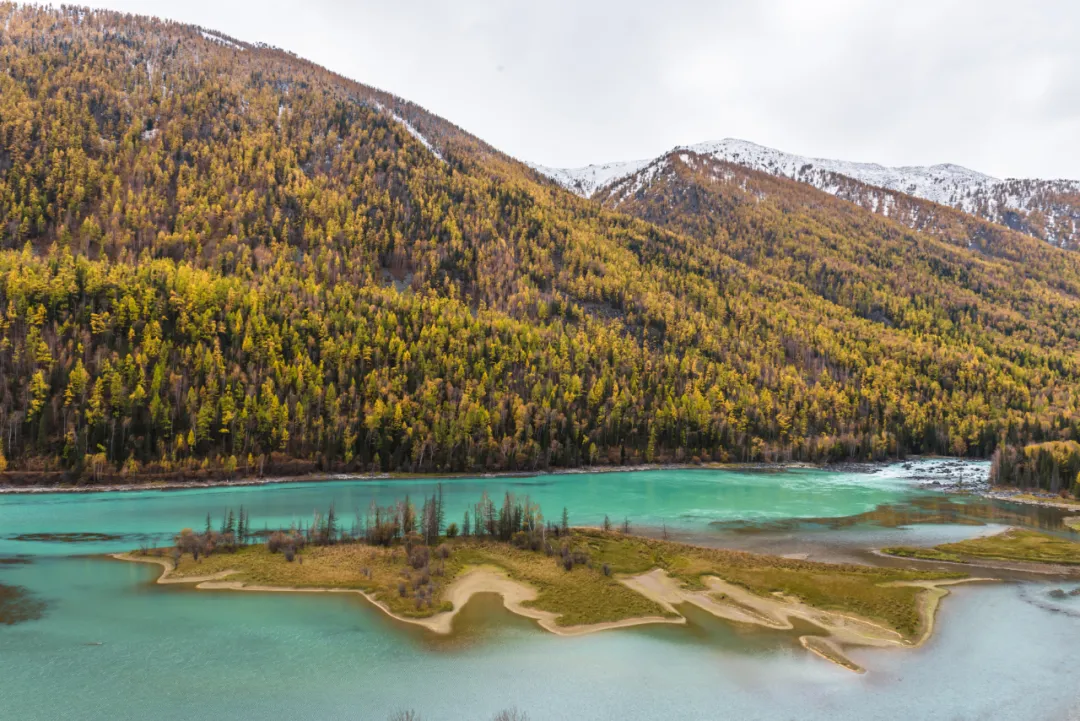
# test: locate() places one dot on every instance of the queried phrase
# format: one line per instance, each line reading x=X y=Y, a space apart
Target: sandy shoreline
x=721 y=599
x=482 y=579
x=734 y=603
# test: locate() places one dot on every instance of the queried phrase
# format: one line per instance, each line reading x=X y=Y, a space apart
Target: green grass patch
x=588 y=593
x=1016 y=544
x=845 y=588
x=925 y=554
x=375 y=570
x=583 y=595
x=1019 y=545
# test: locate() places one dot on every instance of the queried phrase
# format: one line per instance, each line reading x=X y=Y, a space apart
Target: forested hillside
x=999 y=289
x=218 y=258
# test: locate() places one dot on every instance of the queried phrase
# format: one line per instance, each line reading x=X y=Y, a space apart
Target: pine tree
x=331 y=525
x=440 y=515
x=242 y=528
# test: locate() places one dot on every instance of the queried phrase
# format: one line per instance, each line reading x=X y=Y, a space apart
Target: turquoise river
x=99 y=640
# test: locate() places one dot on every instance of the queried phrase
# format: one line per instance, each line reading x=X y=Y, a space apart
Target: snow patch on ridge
x=586 y=181
x=416 y=134
x=220 y=40
x=408 y=126
x=1051 y=202
x=947 y=183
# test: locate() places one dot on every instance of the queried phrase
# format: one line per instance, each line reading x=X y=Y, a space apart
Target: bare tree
x=511 y=714
x=408 y=715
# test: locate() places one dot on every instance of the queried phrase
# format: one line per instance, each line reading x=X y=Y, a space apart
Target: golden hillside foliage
x=214 y=253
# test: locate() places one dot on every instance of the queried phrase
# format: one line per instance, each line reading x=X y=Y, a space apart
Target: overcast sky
x=992 y=85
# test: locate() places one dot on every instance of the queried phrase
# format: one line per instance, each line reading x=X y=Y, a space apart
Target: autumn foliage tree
x=217 y=258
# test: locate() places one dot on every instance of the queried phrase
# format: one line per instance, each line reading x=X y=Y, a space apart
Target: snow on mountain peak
x=1052 y=203
x=587 y=180
x=945 y=183
x=939 y=183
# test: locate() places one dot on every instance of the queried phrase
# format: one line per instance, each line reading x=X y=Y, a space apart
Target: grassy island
x=1015 y=544
x=571 y=580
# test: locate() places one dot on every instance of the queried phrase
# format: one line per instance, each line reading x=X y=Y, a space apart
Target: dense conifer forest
x=217 y=258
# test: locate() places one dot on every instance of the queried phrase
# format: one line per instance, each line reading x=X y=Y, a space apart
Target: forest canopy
x=217 y=258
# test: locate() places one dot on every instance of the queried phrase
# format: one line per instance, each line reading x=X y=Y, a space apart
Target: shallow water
x=692 y=501
x=112 y=645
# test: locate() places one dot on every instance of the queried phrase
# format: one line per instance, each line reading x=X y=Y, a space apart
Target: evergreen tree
x=331 y=525
x=176 y=297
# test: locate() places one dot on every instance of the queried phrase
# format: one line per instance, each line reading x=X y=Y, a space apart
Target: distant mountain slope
x=848 y=254
x=1045 y=209
x=218 y=258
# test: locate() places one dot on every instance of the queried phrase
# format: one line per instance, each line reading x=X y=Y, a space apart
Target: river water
x=109 y=644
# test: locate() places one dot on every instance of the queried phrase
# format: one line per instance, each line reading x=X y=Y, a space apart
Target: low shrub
x=419 y=556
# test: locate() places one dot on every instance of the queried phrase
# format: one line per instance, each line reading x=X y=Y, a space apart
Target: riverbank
x=1014 y=549
x=598 y=581
x=515 y=595
x=1030 y=498
x=155 y=485
x=936 y=478
x=734 y=603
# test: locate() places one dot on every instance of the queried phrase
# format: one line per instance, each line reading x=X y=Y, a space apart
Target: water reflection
x=484 y=619
x=935 y=509
x=923 y=520
x=18 y=605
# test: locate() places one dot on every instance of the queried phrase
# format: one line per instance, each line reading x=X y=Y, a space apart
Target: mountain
x=845 y=253
x=218 y=259
x=586 y=181
x=1045 y=209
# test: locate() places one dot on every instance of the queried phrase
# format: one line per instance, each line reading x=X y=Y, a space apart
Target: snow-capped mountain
x=586 y=181
x=1047 y=209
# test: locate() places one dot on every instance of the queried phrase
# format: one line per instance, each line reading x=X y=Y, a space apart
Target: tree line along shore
x=1041 y=473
